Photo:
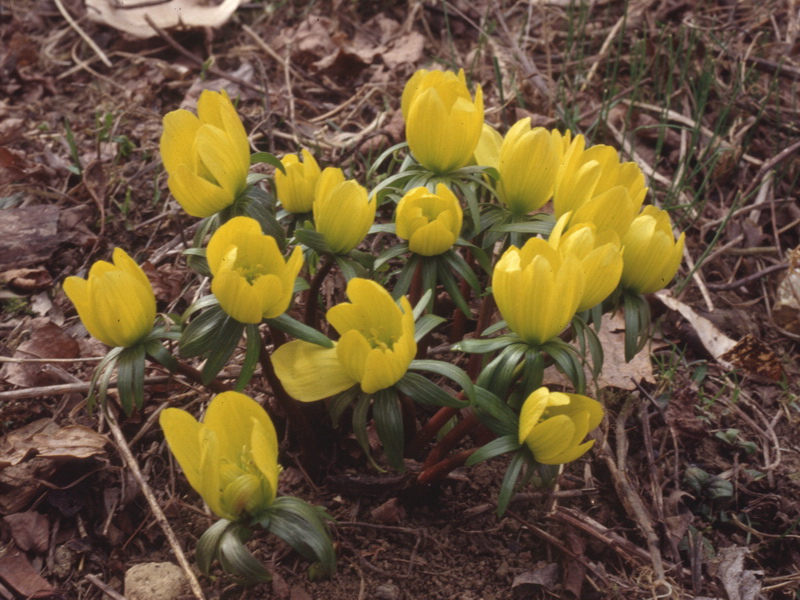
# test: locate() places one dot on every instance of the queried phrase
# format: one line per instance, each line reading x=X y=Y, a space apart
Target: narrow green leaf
x=252 y=352
x=207 y=547
x=500 y=373
x=161 y=355
x=501 y=324
x=389 y=423
x=130 y=368
x=494 y=413
x=446 y=369
x=360 y=412
x=199 y=304
x=566 y=357
x=227 y=338
x=339 y=403
x=299 y=330
x=236 y=559
x=425 y=324
x=501 y=445
x=485 y=346
x=451 y=286
x=199 y=337
x=312 y=239
x=422 y=304
x=268 y=158
x=424 y=391
x=405 y=277
x=457 y=263
x=509 y=482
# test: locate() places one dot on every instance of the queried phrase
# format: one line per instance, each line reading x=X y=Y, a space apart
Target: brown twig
x=161 y=519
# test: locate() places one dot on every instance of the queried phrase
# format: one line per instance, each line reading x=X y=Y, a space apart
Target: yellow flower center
x=251 y=272
x=380 y=338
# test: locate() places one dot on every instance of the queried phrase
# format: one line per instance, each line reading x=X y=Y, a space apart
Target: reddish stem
x=427 y=431
x=459 y=318
x=451 y=440
x=484 y=315
x=436 y=473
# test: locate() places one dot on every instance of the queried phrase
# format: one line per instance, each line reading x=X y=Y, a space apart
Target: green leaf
x=259 y=205
x=304 y=528
x=566 y=357
x=350 y=268
x=422 y=304
x=130 y=378
x=236 y=559
x=425 y=324
x=227 y=338
x=299 y=330
x=102 y=374
x=251 y=356
x=457 y=263
x=499 y=374
x=390 y=253
x=339 y=403
x=501 y=445
x=501 y=324
x=538 y=224
x=312 y=239
x=199 y=304
x=207 y=547
x=446 y=369
x=360 y=412
x=509 y=482
x=424 y=391
x=485 y=346
x=383 y=156
x=406 y=276
x=268 y=158
x=532 y=371
x=637 y=324
x=199 y=337
x=495 y=414
x=388 y=417
x=451 y=286
x=161 y=355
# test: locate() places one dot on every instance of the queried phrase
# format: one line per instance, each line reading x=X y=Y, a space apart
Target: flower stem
x=436 y=473
x=312 y=295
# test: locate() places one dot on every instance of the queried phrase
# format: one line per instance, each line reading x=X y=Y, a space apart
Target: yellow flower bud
x=115 y=303
x=487 y=152
x=536 y=290
x=207 y=156
x=231 y=458
x=295 y=190
x=430 y=222
x=652 y=256
x=586 y=173
x=553 y=425
x=443 y=123
x=342 y=211
x=599 y=253
x=252 y=280
x=375 y=347
x=528 y=164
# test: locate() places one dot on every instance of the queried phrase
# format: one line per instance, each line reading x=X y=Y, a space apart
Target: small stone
x=155 y=581
x=387 y=591
x=64 y=561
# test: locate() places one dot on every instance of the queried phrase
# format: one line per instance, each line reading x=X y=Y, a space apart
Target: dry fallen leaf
x=123 y=14
x=19 y=574
x=30 y=530
x=45 y=438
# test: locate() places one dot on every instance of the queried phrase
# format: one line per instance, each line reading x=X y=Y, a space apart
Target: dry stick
x=199 y=62
x=104 y=587
x=630 y=499
x=66 y=388
x=72 y=23
x=130 y=460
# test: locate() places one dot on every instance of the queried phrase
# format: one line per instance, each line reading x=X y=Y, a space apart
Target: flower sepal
x=214 y=335
x=637 y=323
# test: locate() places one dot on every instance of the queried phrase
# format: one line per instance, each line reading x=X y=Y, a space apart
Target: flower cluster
x=458 y=231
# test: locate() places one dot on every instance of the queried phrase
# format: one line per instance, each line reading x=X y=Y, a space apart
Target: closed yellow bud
x=536 y=290
x=430 y=222
x=487 y=152
x=342 y=211
x=207 y=156
x=375 y=347
x=553 y=425
x=252 y=280
x=586 y=173
x=652 y=256
x=231 y=458
x=116 y=302
x=528 y=164
x=600 y=256
x=443 y=122
x=295 y=190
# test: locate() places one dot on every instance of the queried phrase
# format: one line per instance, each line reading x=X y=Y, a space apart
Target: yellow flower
x=430 y=222
x=342 y=211
x=443 y=123
x=116 y=302
x=207 y=156
x=528 y=164
x=252 y=280
x=613 y=210
x=537 y=291
x=375 y=347
x=553 y=425
x=599 y=253
x=231 y=459
x=652 y=256
x=295 y=190
x=586 y=173
x=487 y=152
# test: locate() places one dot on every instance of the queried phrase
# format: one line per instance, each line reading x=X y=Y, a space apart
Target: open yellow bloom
x=231 y=458
x=115 y=302
x=586 y=173
x=443 y=123
x=553 y=425
x=536 y=290
x=375 y=347
x=342 y=211
x=652 y=256
x=295 y=190
x=252 y=280
x=430 y=222
x=528 y=163
x=599 y=253
x=207 y=156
